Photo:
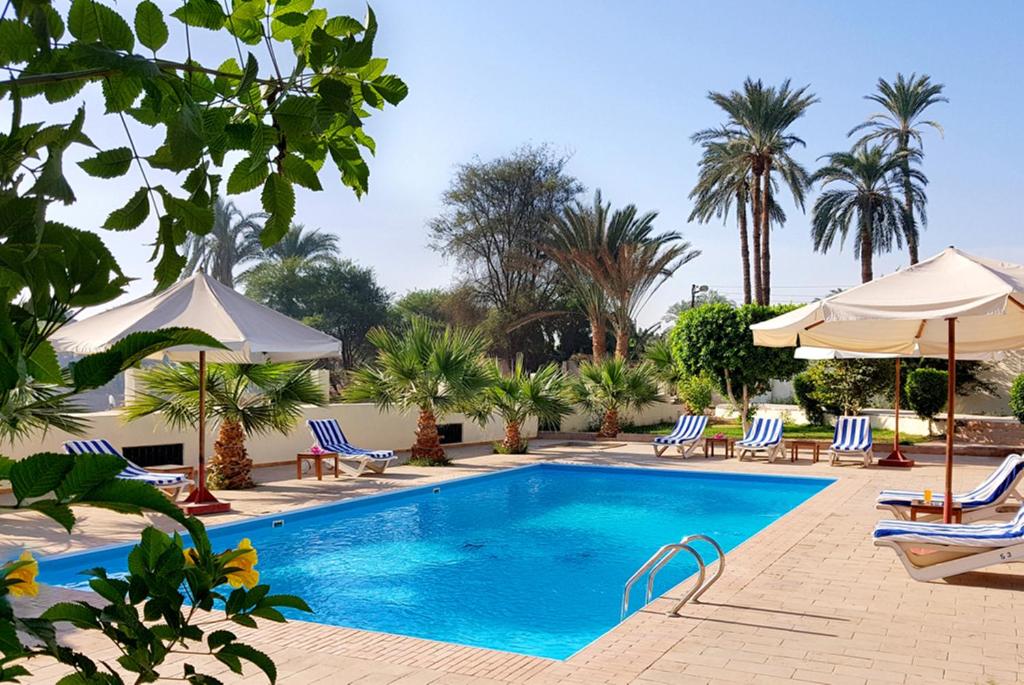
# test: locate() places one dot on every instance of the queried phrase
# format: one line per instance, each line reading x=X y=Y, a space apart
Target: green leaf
x=252 y=70
x=132 y=214
x=336 y=94
x=150 y=26
x=391 y=88
x=296 y=115
x=89 y=471
x=92 y=22
x=249 y=173
x=227 y=85
x=299 y=171
x=278 y=199
x=109 y=163
x=343 y=27
x=43 y=364
x=131 y=496
x=194 y=218
x=110 y=589
x=206 y=14
x=219 y=638
x=121 y=92
x=171 y=262
x=38 y=474
x=61 y=513
x=256 y=657
x=290 y=601
x=17 y=42
x=78 y=614
x=288 y=26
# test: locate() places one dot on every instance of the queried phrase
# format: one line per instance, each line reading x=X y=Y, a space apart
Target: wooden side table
x=796 y=445
x=709 y=446
x=935 y=509
x=318 y=462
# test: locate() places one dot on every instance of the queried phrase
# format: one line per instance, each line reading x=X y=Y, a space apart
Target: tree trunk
x=866 y=246
x=741 y=218
x=598 y=338
x=231 y=467
x=910 y=229
x=622 y=342
x=609 y=424
x=766 y=236
x=755 y=212
x=513 y=439
x=745 y=409
x=427 y=450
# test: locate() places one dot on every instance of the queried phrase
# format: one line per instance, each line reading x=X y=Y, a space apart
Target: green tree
x=457 y=306
x=242 y=401
x=233 y=241
x=434 y=371
x=716 y=340
x=313 y=247
x=866 y=200
x=758 y=128
x=1017 y=398
x=845 y=386
x=927 y=391
x=495 y=215
x=517 y=395
x=710 y=296
x=608 y=388
x=899 y=127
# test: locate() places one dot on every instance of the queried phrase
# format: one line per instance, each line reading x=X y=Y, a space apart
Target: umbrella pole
x=201 y=501
x=896 y=457
x=947 y=501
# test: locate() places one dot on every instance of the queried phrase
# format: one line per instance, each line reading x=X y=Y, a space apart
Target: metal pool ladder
x=664 y=555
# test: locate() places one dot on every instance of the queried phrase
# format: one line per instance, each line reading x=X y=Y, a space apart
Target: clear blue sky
x=621 y=86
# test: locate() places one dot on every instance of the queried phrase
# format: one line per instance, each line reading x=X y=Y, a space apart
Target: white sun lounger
x=687 y=436
x=936 y=550
x=172 y=483
x=852 y=439
x=999 y=492
x=763 y=438
x=354 y=461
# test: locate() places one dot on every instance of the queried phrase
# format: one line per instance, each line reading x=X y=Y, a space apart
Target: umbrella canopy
x=819 y=353
x=252 y=332
x=949 y=304
x=905 y=312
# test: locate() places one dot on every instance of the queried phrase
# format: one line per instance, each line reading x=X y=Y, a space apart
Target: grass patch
x=810 y=432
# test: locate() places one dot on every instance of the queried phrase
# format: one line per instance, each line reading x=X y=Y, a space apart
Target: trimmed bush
x=1017 y=398
x=926 y=391
x=803 y=393
x=696 y=392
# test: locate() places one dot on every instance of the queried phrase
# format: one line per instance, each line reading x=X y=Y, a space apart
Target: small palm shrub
x=518 y=395
x=926 y=392
x=1017 y=398
x=606 y=388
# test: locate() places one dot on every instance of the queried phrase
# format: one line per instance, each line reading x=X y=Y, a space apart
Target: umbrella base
x=204 y=508
x=896 y=459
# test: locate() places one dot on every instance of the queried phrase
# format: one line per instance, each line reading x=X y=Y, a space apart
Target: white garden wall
x=659 y=412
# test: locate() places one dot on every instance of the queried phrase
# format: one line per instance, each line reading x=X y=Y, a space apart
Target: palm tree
x=899 y=127
x=311 y=247
x=759 y=120
x=518 y=395
x=607 y=388
x=866 y=200
x=233 y=241
x=634 y=264
x=435 y=371
x=243 y=400
x=575 y=242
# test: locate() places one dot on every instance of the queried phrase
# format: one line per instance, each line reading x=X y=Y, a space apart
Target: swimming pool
x=529 y=560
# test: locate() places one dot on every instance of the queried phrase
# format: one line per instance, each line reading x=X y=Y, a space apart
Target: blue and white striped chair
x=999 y=493
x=172 y=483
x=764 y=437
x=686 y=436
x=852 y=439
x=937 y=550
x=329 y=436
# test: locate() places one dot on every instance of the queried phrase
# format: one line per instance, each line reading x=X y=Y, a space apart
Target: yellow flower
x=191 y=556
x=28 y=587
x=244 y=573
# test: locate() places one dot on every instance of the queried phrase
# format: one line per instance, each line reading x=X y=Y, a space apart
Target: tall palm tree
x=759 y=119
x=243 y=400
x=309 y=246
x=606 y=389
x=233 y=241
x=867 y=200
x=435 y=371
x=899 y=127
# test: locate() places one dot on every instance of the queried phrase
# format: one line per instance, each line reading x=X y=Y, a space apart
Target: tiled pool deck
x=808 y=599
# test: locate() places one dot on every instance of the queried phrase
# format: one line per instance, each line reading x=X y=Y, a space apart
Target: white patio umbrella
x=251 y=332
x=896 y=457
x=949 y=304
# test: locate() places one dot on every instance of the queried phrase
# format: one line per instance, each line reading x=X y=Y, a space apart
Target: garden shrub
x=1017 y=398
x=926 y=391
x=697 y=392
x=803 y=393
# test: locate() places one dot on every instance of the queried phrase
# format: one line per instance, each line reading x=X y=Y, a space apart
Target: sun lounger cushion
x=688 y=428
x=990 y=491
x=853 y=434
x=329 y=436
x=961 y=535
x=763 y=433
x=131 y=471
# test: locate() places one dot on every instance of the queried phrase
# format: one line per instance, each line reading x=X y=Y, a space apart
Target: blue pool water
x=529 y=560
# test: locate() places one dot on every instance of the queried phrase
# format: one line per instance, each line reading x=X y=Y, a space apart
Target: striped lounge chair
x=764 y=437
x=999 y=493
x=686 y=436
x=852 y=439
x=930 y=551
x=354 y=461
x=171 y=483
